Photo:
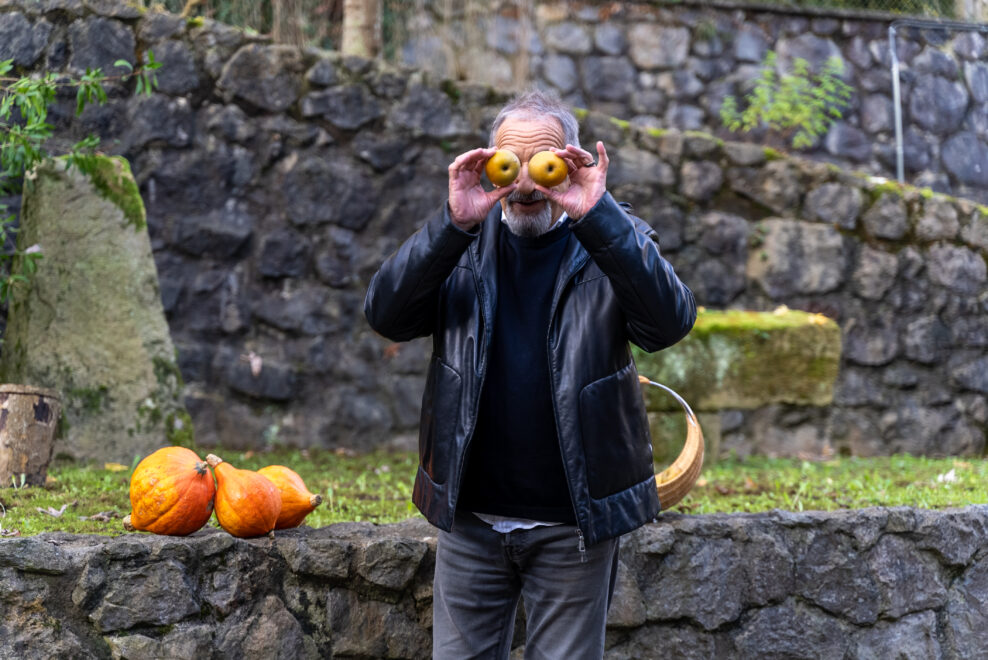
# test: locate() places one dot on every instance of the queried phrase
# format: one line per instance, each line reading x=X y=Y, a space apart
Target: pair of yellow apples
x=546 y=168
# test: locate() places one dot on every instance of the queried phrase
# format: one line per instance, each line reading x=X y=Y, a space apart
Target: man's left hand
x=587 y=182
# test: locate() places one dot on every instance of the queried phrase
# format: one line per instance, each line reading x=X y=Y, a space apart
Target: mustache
x=535 y=196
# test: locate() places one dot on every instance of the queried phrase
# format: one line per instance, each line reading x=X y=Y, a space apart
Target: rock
x=568 y=37
x=97 y=43
x=965 y=156
x=159 y=25
x=975 y=231
x=774 y=186
x=309 y=311
x=324 y=558
x=935 y=61
x=347 y=106
x=938 y=104
x=838 y=580
x=221 y=233
x=871 y=341
x=700 y=180
x=926 y=339
x=909 y=581
x=390 y=562
x=21 y=40
x=119 y=382
x=887 y=217
x=158 y=118
x=700 y=580
x=958 y=268
x=34 y=555
x=636 y=166
x=846 y=141
x=792 y=630
x=323 y=73
x=284 y=253
x=269 y=77
x=373 y=628
x=560 y=72
x=750 y=44
x=608 y=78
x=972 y=375
x=653 y=46
x=834 y=203
x=967 y=630
x=182 y=641
x=153 y=594
x=796 y=258
x=317 y=191
x=723 y=233
x=275 y=382
x=910 y=638
x=627 y=608
x=815 y=50
x=939 y=221
x=178 y=73
x=610 y=39
x=269 y=632
x=876 y=113
x=874 y=274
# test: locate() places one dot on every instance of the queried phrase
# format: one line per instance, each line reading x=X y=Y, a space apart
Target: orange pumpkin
x=171 y=492
x=296 y=500
x=247 y=503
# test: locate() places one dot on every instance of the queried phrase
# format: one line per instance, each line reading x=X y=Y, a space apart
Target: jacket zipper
x=581 y=546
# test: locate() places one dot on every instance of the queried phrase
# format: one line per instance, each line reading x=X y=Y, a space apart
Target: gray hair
x=539 y=104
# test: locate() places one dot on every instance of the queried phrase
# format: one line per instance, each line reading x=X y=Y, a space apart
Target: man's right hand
x=469 y=203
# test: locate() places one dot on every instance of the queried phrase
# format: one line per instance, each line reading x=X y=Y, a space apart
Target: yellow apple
x=502 y=168
x=547 y=169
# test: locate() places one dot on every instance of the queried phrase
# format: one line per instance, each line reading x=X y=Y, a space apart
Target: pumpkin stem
x=213 y=460
x=127 y=524
x=201 y=468
x=315 y=500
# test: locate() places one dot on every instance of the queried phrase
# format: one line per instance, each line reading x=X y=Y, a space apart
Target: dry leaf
x=115 y=467
x=102 y=516
x=256 y=362
x=9 y=532
x=55 y=513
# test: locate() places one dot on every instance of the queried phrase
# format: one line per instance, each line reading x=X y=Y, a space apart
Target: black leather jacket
x=612 y=287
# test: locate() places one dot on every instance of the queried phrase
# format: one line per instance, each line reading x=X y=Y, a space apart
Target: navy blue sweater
x=515 y=467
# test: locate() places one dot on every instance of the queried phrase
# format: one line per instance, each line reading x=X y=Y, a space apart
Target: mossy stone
x=746 y=359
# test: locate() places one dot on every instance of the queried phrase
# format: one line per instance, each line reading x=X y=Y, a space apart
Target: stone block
x=739 y=359
x=91 y=323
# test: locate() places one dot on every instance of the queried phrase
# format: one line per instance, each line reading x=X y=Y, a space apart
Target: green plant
x=801 y=105
x=24 y=129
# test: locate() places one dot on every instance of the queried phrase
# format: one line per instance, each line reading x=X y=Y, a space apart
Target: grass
x=377 y=487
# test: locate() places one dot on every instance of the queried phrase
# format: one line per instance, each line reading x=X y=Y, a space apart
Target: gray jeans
x=480 y=575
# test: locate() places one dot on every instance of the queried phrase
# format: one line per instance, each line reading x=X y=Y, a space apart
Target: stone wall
x=895 y=582
x=671 y=65
x=276 y=181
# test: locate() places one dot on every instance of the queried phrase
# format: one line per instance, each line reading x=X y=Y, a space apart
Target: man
x=534 y=448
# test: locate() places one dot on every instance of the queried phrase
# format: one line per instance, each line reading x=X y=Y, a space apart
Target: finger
x=470 y=159
x=581 y=157
x=602 y=159
x=551 y=194
x=498 y=194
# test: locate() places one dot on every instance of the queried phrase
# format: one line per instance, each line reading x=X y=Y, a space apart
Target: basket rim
x=14 y=388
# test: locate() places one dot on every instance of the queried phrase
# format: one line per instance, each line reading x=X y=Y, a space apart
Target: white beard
x=528 y=225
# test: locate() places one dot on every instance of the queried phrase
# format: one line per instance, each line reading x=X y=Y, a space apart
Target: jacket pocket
x=440 y=419
x=615 y=433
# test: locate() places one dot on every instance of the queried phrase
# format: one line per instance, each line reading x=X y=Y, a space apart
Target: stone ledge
x=728 y=585
x=744 y=359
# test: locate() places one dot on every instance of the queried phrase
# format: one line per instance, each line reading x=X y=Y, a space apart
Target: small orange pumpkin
x=171 y=492
x=296 y=500
x=247 y=503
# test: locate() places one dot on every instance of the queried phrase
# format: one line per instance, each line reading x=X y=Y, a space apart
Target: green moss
x=89 y=399
x=166 y=372
x=709 y=321
x=580 y=113
x=114 y=181
x=620 y=123
x=657 y=132
x=772 y=154
x=450 y=89
x=179 y=429
x=195 y=22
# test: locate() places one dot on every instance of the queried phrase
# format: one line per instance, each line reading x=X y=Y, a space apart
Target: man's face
x=527 y=211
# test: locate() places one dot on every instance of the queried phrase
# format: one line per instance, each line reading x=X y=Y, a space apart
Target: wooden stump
x=28 y=421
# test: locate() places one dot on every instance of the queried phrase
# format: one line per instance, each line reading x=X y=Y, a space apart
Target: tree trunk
x=286 y=22
x=28 y=421
x=361 y=28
